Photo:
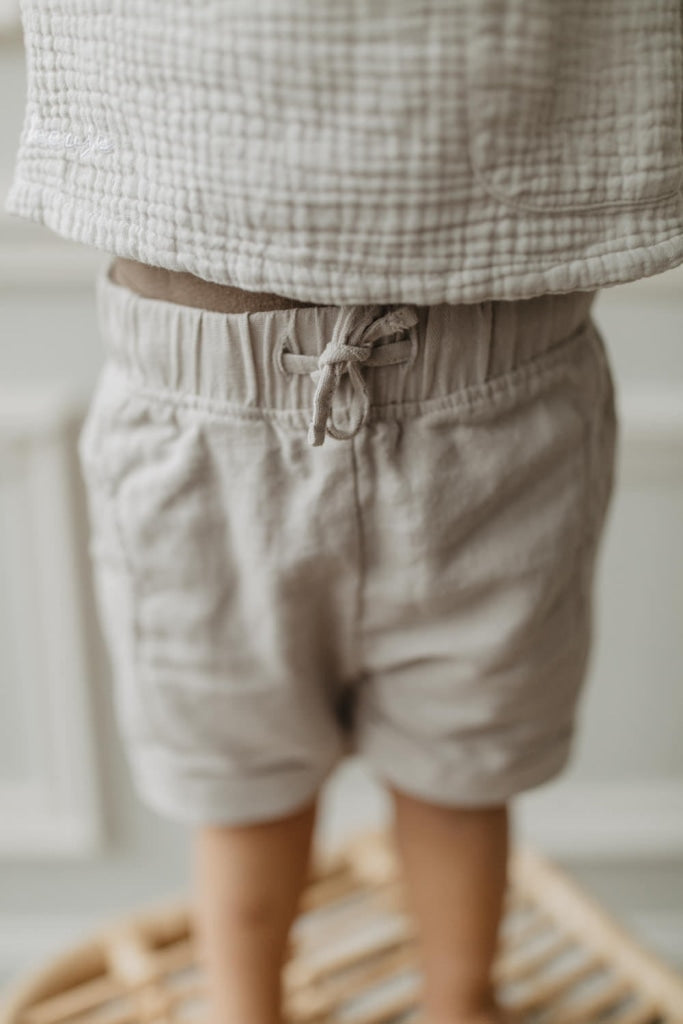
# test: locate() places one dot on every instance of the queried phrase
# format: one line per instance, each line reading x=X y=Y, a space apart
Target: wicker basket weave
x=561 y=959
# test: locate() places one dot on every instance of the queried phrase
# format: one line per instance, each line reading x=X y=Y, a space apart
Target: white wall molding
x=49 y=797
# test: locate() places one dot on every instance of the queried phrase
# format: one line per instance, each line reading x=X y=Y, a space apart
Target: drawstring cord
x=339 y=357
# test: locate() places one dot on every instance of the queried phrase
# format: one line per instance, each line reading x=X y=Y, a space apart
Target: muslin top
x=352 y=151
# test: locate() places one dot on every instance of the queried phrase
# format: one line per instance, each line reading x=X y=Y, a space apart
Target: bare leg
x=455 y=865
x=249 y=881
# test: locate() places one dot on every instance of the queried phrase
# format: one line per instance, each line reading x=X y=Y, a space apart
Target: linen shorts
x=334 y=529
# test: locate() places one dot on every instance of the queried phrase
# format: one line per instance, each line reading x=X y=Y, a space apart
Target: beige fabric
x=419 y=591
x=189 y=290
x=377 y=151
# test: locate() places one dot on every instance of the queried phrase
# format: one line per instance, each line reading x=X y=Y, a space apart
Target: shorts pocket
x=537 y=444
x=575 y=106
x=113 y=582
x=508 y=481
x=179 y=549
x=157 y=515
x=104 y=542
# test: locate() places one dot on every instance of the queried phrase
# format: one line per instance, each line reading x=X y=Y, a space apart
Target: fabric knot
x=339 y=357
x=340 y=353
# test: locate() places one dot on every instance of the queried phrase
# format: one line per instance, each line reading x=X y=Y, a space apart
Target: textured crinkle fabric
x=383 y=151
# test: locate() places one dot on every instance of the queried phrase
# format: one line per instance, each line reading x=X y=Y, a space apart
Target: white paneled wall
x=76 y=845
x=623 y=794
x=48 y=792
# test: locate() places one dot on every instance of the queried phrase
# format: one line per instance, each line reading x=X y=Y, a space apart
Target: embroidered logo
x=92 y=142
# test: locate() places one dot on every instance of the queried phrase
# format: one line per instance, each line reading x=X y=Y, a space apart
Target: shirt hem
x=321 y=282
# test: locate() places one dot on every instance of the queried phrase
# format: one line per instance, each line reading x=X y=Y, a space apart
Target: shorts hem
x=484 y=791
x=193 y=799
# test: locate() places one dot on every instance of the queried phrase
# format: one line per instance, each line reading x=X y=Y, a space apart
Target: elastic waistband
x=244 y=358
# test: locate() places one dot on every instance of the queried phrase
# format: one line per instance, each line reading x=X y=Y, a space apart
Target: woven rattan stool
x=561 y=959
